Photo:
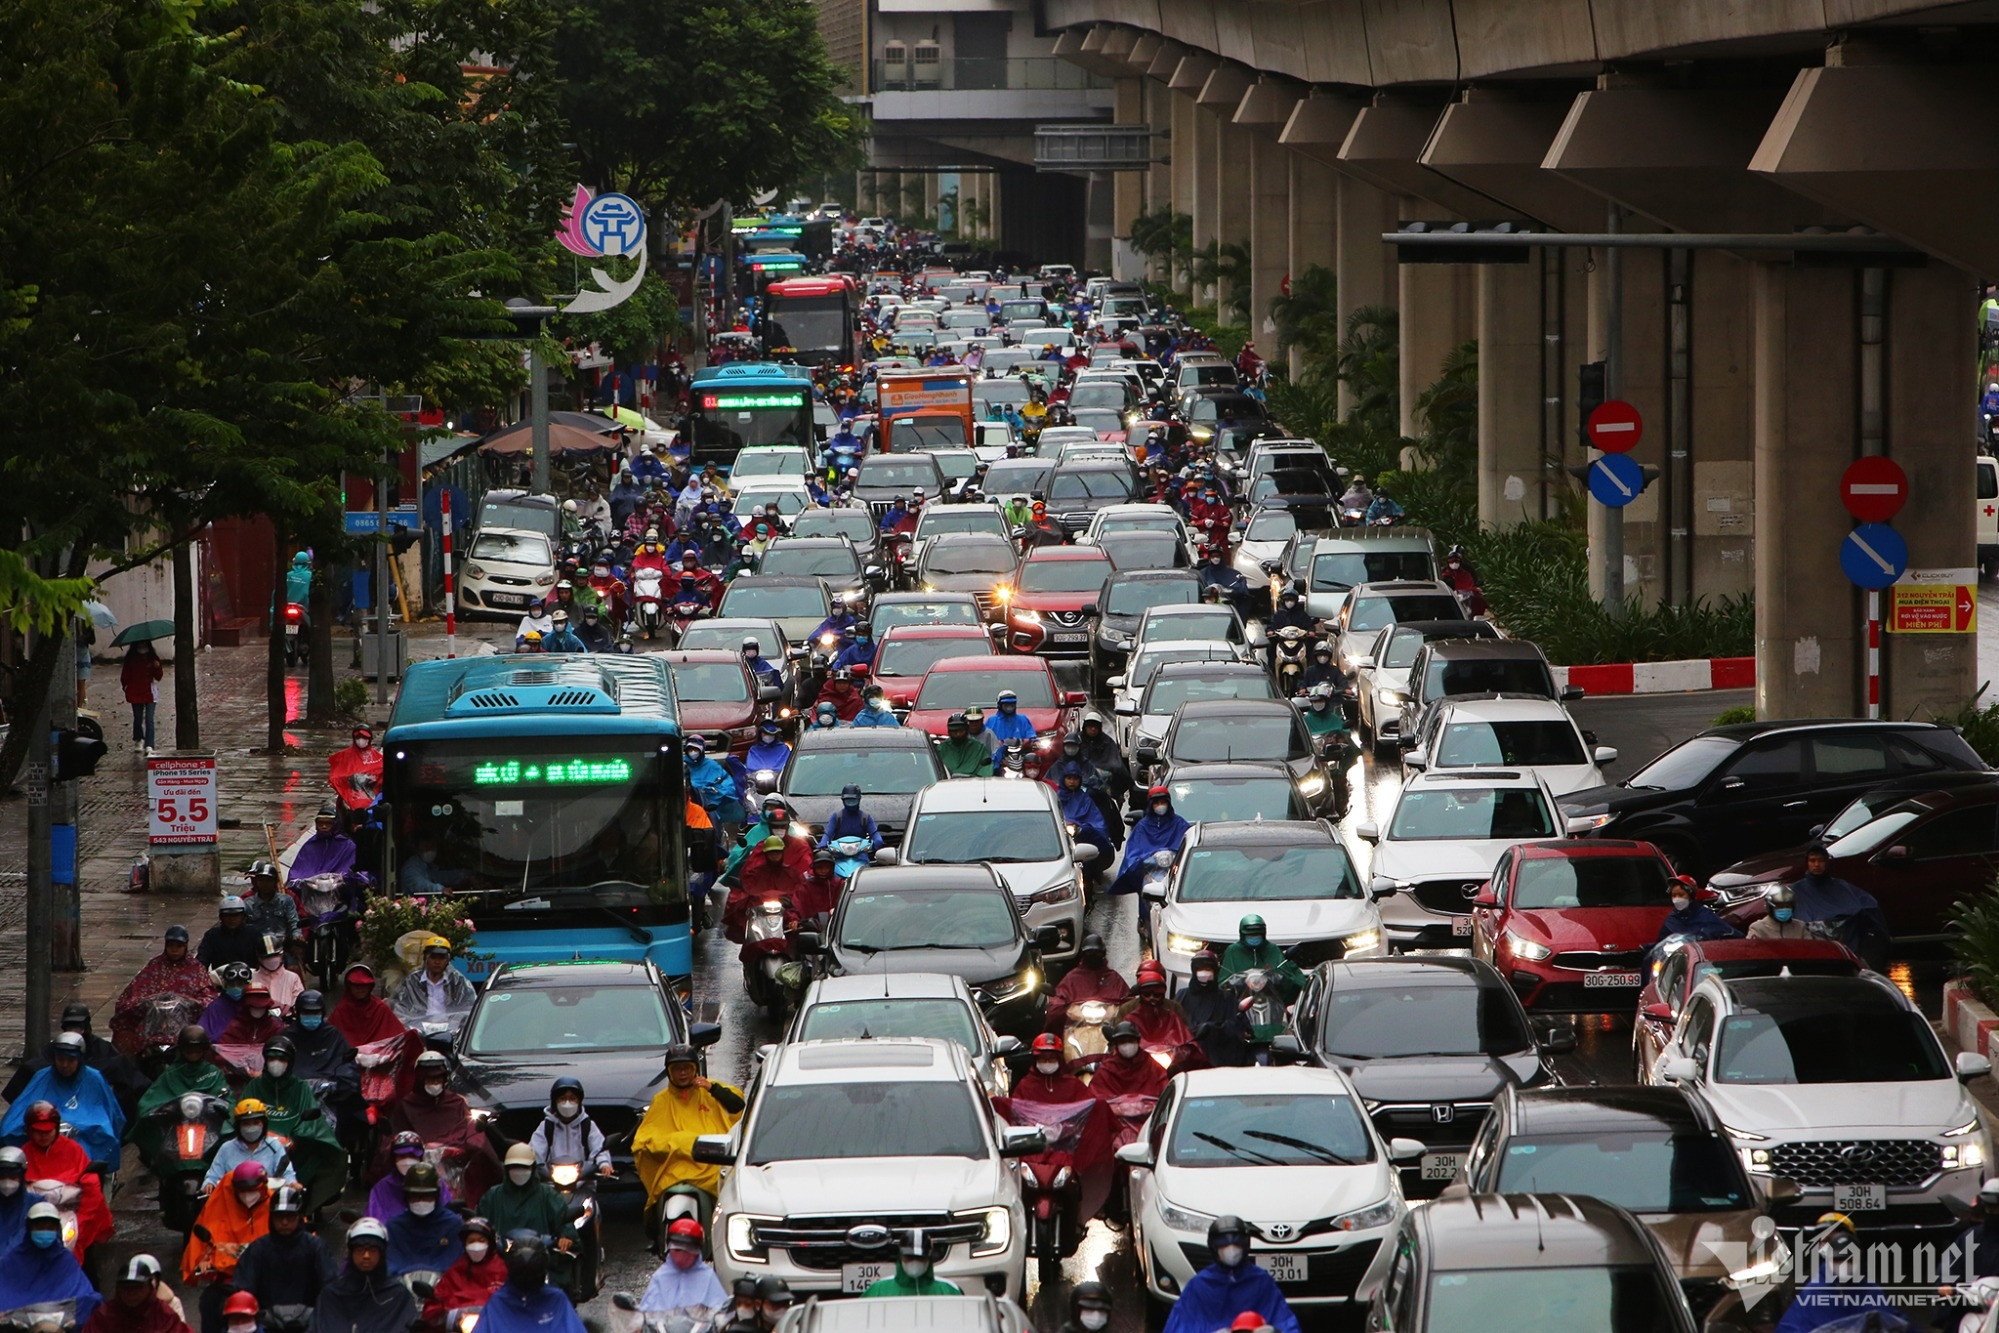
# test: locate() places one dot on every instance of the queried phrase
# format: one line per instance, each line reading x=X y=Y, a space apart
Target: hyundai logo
x=869 y=1236
x=1279 y=1230
x=1443 y=1113
x=1857 y=1154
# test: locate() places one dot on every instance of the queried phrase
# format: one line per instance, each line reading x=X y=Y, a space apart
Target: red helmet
x=1049 y=1043
x=240 y=1303
x=1248 y=1322
x=686 y=1229
x=42 y=1114
x=1151 y=973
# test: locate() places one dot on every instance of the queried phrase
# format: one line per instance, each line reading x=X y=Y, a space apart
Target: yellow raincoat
x=663 y=1148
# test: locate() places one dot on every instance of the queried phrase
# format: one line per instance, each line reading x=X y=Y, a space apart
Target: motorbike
x=42 y=1317
x=647 y=602
x=1051 y=1182
x=1083 y=1029
x=851 y=854
x=626 y=1317
x=676 y=1202
x=1265 y=1013
x=579 y=1271
x=297 y=640
x=686 y=613
x=772 y=975
x=1152 y=889
x=327 y=920
x=1288 y=659
x=1021 y=759
x=899 y=546
x=194 y=1133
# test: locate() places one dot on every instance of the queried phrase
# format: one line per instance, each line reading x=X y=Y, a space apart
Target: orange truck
x=926 y=409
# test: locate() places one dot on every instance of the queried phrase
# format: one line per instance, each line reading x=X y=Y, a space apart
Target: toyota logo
x=1857 y=1154
x=869 y=1236
x=1443 y=1113
x=1280 y=1231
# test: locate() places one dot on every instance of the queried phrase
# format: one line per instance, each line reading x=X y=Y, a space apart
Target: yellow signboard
x=1933 y=608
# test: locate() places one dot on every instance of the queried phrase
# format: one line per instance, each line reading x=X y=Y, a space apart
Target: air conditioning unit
x=895 y=63
x=927 y=64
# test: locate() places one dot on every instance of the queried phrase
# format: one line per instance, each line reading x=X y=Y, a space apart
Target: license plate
x=291 y=631
x=507 y=598
x=1461 y=925
x=1076 y=637
x=1440 y=1165
x=857 y=1278
x=1283 y=1267
x=1610 y=980
x=1859 y=1198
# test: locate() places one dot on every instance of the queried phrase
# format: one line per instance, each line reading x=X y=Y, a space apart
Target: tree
x=1224 y=261
x=683 y=102
x=1448 y=409
x=1308 y=319
x=627 y=333
x=1166 y=237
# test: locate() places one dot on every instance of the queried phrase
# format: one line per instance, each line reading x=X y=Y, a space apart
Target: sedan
x=853 y=522
x=1178 y=683
x=1289 y=1149
x=959 y=683
x=1262 y=537
x=832 y=560
x=1145 y=550
x=889 y=764
x=1372 y=607
x=977 y=563
x=716 y=695
x=1381 y=672
x=1126 y=598
x=1129 y=689
x=939 y=520
x=797 y=603
x=908 y=1004
x=1226 y=730
x=1569 y=923
x=907 y=652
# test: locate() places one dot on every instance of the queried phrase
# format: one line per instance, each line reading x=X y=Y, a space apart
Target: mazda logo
x=1469 y=891
x=1279 y=1230
x=869 y=1236
x=1443 y=1113
x=1857 y=1154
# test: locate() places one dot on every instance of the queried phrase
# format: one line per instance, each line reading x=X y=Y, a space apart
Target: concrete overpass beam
x=1493 y=143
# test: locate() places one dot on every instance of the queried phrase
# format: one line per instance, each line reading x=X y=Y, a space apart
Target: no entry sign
x=1615 y=427
x=1874 y=489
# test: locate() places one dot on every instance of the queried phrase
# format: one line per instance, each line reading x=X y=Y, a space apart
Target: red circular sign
x=1615 y=427
x=1874 y=489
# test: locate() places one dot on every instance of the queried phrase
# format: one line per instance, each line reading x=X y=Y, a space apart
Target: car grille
x=1419 y=1121
x=1066 y=619
x=507 y=582
x=1623 y=960
x=986 y=603
x=1308 y=954
x=1331 y=1273
x=1574 y=997
x=1827 y=1162
x=1075 y=519
x=826 y=1243
x=1445 y=895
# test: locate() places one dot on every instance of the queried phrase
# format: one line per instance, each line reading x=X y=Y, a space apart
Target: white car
x=1518 y=732
x=784 y=496
x=1262 y=540
x=1372 y=607
x=1137 y=518
x=1445 y=836
x=1288 y=1150
x=1294 y=874
x=848 y=1145
x=506 y=570
x=1202 y=622
x=1127 y=690
x=1839 y=1085
x=993 y=439
x=783 y=462
x=1017 y=829
x=941 y=518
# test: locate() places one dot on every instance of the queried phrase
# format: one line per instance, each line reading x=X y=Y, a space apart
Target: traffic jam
x=973 y=807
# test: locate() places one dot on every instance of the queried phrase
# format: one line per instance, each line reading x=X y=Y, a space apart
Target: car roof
x=888 y=985
x=903 y=598
x=961 y=794
x=1046 y=553
x=690 y=656
x=1750 y=730
x=1199 y=708
x=1260 y=1080
x=1501 y=707
x=861 y=738
x=1531 y=1231
x=977 y=877
x=891 y=1059
x=1493 y=775
x=1136 y=509
x=1182 y=575
x=1577 y=849
x=1259 y=832
x=1484 y=650
x=569 y=972
x=904 y=633
x=1608 y=1110
x=998 y=662
x=1217 y=770
x=774 y=581
x=1087 y=463
x=1400 y=587
x=1834 y=994
x=1722 y=951
x=1205 y=669
x=1446 y=629
x=1409 y=970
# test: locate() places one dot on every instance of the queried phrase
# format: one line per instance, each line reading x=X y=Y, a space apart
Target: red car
x=1568 y=923
x=715 y=693
x=1052 y=601
x=1684 y=964
x=958 y=683
x=907 y=652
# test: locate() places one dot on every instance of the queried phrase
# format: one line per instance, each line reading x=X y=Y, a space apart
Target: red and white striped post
x=1873 y=654
x=450 y=589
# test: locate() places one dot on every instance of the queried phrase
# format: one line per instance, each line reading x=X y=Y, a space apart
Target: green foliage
x=631 y=332
x=1448 y=409
x=389 y=919
x=1166 y=237
x=1980 y=727
x=1224 y=261
x=1308 y=319
x=1369 y=365
x=28 y=601
x=350 y=696
x=1728 y=717
x=1974 y=943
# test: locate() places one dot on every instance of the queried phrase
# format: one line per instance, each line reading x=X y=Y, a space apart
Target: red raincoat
x=66 y=1160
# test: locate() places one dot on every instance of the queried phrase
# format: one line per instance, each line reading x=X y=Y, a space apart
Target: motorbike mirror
x=714 y=1150
x=1005 y=1046
x=886 y=856
x=1131 y=816
x=1404 y=1150
x=1085 y=853
x=704 y=1034
x=1136 y=1153
x=769 y=694
x=809 y=942
x=624 y=1300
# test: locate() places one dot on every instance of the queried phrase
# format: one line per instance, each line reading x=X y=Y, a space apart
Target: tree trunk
x=187 y=716
x=31 y=683
x=277 y=706
x=319 y=667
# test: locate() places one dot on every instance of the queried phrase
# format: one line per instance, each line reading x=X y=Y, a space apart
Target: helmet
x=422 y=1179
x=562 y=1085
x=309 y=1002
x=67 y=1043
x=1121 y=1031
x=1092 y=943
x=367 y=1231
x=680 y=1053
x=1150 y=973
x=1209 y=957
x=774 y=1290
x=436 y=944
x=42 y=1114
x=685 y=1230
x=140 y=1268
x=1049 y=1043
x=519 y=1155
x=289 y=1199
x=253 y=1108
x=241 y=1303
x=431 y=1062
x=1226 y=1230
x=1780 y=896
x=1252 y=925
x=238 y=974
x=264 y=868
x=1090 y=1296
x=477 y=1226
x=915 y=1244
x=193 y=1037
x=249 y=1175
x=13 y=1162
x=231 y=903
x=279 y=1048
x=406 y=1143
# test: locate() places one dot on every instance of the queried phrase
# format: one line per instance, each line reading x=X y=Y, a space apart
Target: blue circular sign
x=1873 y=555
x=615 y=224
x=1615 y=480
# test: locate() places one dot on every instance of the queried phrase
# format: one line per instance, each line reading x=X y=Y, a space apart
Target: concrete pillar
x=1098 y=248
x=1721 y=433
x=1233 y=183
x=1269 y=229
x=1207 y=185
x=994 y=201
x=1128 y=190
x=932 y=193
x=1510 y=473
x=1439 y=310
x=1367 y=268
x=1312 y=224
x=1185 y=147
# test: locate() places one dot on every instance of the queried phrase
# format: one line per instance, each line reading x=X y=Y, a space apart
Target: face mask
x=1203 y=977
x=1093 y=1319
x=568 y=1108
x=250 y=1133
x=242 y=1326
x=260 y=1012
x=311 y=1022
x=477 y=1250
x=519 y=1174
x=403 y=1165
x=851 y=802
x=683 y=1259
x=1128 y=1049
x=914 y=1269
x=1680 y=904
x=745 y=1313
x=362 y=742
x=433 y=1089
x=1161 y=809
x=233 y=992
x=1252 y=941
x=249 y=1198
x=1782 y=913
x=43 y=1239
x=423 y=1207
x=9 y=1187
x=1230 y=1255
x=274 y=962
x=1048 y=1067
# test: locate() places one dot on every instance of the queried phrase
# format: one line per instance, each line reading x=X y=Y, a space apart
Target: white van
x=1988 y=515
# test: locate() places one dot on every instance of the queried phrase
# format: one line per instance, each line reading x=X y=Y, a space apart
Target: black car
x=607 y=1024
x=1429 y=1043
x=1204 y=793
x=958 y=920
x=1293 y=488
x=1737 y=791
x=1127 y=596
x=833 y=560
x=1080 y=487
x=1210 y=731
x=855 y=524
x=889 y=764
x=885 y=477
x=1206 y=410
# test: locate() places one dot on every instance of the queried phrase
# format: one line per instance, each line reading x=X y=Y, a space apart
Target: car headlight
x=1186 y=944
x=1117 y=638
x=998 y=1233
x=1968 y=1127
x=475 y=571
x=738 y=1235
x=1180 y=1219
x=1584 y=823
x=1366 y=1219
x=1006 y=988
x=1027 y=615
x=1361 y=941
x=1063 y=891
x=544 y=580
x=1525 y=948
x=1388 y=697
x=1004 y=592
x=1744 y=1135
x=1960 y=1155
x=1312 y=784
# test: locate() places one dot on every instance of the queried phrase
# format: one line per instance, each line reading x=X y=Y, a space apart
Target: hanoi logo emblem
x=595 y=226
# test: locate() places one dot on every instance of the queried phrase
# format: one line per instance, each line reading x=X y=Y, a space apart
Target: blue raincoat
x=773 y=757
x=31 y=1275
x=1151 y=834
x=86 y=1104
x=1012 y=726
x=1080 y=808
x=1214 y=1296
x=847 y=823
x=419 y=1243
x=544 y=1311
x=1820 y=1302
x=14 y=1217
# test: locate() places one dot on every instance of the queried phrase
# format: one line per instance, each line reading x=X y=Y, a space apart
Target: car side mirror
x=1128 y=708
x=1604 y=754
x=1085 y=853
x=1075 y=698
x=1136 y=1153
x=1019 y=1140
x=1895 y=854
x=1415 y=763
x=1484 y=896
x=1571 y=693
x=1679 y=1069
x=1661 y=1010
x=1148 y=752
x=714 y=1149
x=704 y=1034
x=1557 y=1039
x=1970 y=1065
x=1115 y=683
x=810 y=943
x=1404 y=1150
x=1367 y=831
x=1287 y=1048
x=885 y=856
x=1364 y=660
x=1780 y=1190
x=1048 y=939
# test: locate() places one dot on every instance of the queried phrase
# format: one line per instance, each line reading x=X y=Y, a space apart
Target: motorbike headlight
x=1361 y=941
x=1061 y=1177
x=1182 y=1219
x=480 y=1115
x=1366 y=1219
x=1525 y=948
x=1312 y=784
x=1091 y=1011
x=1186 y=944
x=565 y=1173
x=998 y=1233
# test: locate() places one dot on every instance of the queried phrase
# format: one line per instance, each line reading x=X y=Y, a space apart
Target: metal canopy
x=1093 y=148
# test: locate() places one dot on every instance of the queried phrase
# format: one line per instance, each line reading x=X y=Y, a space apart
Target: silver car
x=905 y=1004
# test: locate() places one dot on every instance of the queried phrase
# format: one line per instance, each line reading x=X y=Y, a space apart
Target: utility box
x=372 y=654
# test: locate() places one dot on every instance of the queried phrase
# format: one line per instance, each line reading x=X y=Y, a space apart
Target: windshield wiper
x=1323 y=1154
x=1234 y=1151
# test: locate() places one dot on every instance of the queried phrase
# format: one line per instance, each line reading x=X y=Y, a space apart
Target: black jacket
x=285 y=1270
x=357 y=1302
x=1218 y=1024
x=222 y=945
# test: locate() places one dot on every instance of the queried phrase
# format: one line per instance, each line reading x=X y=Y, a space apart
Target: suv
x=1370 y=608
x=1511 y=731
x=1207 y=731
x=1078 y=488
x=1381 y=673
x=1737 y=791
x=1053 y=597
x=1838 y=1084
x=1569 y=923
x=889 y=764
x=1441 y=844
x=1429 y=1042
x=1126 y=598
x=840 y=1134
x=1478 y=666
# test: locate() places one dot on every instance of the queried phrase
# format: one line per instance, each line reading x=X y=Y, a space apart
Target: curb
x=1966 y=1021
x=1692 y=674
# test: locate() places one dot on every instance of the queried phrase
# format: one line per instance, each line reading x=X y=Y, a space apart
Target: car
x=1275 y=451
x=885 y=477
x=606 y=1023
x=1009 y=477
x=1838 y=1084
x=1106 y=422
x=1545 y=1260
x=951 y=918
x=832 y=560
x=1016 y=829
x=1429 y=1042
x=1920 y=858
x=1133 y=518
x=520 y=511
x=1507 y=731
x=798 y=603
x=907 y=1004
x=785 y=461
x=960 y=468
x=1145 y=550
x=890 y=609
x=1381 y=674
x=1371 y=607
x=958 y=683
x=853 y=522
x=1292 y=872
x=506 y=571
x=889 y=764
x=974 y=562
x=1658 y=1153
x=1732 y=792
x=1127 y=596
x=1114 y=393
x=727 y=636
x=1203 y=622
x=942 y=519
x=1206 y=409
x=1201 y=370
x=1326 y=566
x=1078 y=488
x=906 y=652
x=854 y=1143
x=907 y=1314
x=1293 y=487
x=1233 y=791
x=1051 y=599
x=1570 y=922
x=716 y=696
x=1262 y=538
x=1441 y=843
x=785 y=497
x=1177 y=683
x=1449 y=667
x=1681 y=964
x=1128 y=690
x=1288 y=1149
x=1227 y=730
x=992 y=439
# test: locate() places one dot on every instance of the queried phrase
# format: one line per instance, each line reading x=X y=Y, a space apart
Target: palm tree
x=1224 y=261
x=1448 y=409
x=1308 y=319
x=1370 y=368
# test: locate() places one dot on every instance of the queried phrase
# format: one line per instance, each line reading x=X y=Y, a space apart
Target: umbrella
x=144 y=632
x=100 y=615
x=625 y=416
x=562 y=440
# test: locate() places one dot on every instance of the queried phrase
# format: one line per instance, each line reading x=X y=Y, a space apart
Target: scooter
x=685 y=614
x=647 y=606
x=194 y=1123
x=326 y=909
x=1265 y=1013
x=1288 y=659
x=1083 y=1029
x=1021 y=759
x=771 y=975
x=1152 y=890
x=297 y=640
x=585 y=1262
x=850 y=855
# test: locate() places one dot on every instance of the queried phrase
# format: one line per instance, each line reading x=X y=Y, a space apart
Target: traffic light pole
x=1611 y=552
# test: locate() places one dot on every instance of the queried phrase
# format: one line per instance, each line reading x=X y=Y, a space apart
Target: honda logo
x=1443 y=1113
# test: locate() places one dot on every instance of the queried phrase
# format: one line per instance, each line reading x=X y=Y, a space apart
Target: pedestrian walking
x=140 y=675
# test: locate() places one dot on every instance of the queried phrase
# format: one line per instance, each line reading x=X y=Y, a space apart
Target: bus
x=553 y=786
x=926 y=409
x=747 y=403
x=815 y=320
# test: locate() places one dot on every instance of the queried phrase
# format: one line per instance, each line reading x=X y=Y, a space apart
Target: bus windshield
x=745 y=416
x=808 y=324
